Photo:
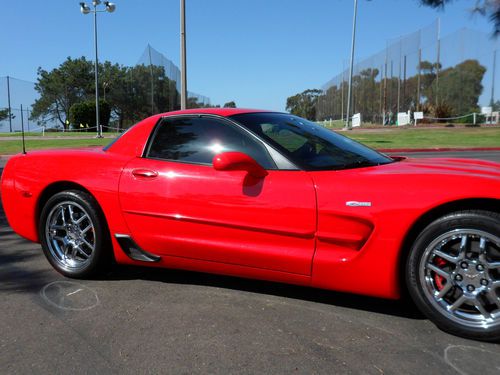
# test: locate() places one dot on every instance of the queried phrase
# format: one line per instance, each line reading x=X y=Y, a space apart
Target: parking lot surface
x=141 y=320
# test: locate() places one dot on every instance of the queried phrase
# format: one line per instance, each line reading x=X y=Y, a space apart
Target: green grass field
x=427 y=137
x=379 y=139
x=14 y=147
x=56 y=134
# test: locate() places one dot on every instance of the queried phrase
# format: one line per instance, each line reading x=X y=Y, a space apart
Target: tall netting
x=155 y=60
x=18 y=93
x=152 y=86
x=446 y=78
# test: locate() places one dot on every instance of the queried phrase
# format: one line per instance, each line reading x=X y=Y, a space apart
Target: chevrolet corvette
x=272 y=196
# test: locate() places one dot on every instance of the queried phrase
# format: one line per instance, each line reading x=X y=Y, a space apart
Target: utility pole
x=183 y=56
x=348 y=122
x=96 y=68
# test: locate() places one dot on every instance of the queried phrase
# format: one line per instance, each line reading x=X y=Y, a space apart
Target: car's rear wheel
x=453 y=274
x=73 y=234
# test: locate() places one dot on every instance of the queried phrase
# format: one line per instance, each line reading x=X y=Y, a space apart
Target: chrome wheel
x=460 y=275
x=70 y=235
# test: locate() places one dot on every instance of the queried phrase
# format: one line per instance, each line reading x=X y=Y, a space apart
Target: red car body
x=345 y=230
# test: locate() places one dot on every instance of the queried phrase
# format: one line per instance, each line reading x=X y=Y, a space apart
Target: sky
x=255 y=52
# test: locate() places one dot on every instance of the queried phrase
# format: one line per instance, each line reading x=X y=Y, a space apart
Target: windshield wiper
x=360 y=164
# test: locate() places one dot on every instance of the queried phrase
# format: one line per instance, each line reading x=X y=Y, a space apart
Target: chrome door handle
x=144 y=173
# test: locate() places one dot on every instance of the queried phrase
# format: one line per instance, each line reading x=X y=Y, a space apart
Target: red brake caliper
x=439 y=280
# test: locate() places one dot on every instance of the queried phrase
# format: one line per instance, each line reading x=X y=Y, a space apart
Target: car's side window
x=199 y=139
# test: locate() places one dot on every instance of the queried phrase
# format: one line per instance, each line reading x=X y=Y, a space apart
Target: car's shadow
x=402 y=308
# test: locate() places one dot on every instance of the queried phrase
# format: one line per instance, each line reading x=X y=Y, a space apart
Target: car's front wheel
x=453 y=273
x=73 y=234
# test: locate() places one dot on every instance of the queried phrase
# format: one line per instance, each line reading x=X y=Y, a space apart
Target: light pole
x=183 y=56
x=348 y=122
x=85 y=9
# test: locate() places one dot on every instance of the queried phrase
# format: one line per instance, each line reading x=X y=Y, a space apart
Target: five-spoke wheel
x=453 y=273
x=70 y=235
x=73 y=233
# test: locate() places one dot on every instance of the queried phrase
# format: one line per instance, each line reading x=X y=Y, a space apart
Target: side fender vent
x=133 y=250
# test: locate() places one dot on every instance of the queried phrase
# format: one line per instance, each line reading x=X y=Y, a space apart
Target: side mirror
x=238 y=161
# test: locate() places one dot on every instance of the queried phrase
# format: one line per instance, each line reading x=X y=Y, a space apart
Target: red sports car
x=270 y=196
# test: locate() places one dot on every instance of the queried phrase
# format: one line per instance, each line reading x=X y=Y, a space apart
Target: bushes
x=83 y=113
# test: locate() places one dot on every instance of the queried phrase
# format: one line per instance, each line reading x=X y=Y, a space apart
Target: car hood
x=442 y=166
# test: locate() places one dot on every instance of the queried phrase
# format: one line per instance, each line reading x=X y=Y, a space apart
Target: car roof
x=225 y=112
x=139 y=133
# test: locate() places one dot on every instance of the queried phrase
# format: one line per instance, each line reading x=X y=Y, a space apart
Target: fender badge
x=358 y=204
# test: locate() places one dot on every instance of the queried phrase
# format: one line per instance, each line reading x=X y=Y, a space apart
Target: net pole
x=492 y=101
x=183 y=56
x=418 y=77
x=399 y=77
x=380 y=97
x=438 y=59
x=8 y=100
x=343 y=71
x=152 y=81
x=22 y=130
x=404 y=80
x=348 y=123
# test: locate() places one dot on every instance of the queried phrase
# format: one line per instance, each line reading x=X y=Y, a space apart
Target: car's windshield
x=309 y=145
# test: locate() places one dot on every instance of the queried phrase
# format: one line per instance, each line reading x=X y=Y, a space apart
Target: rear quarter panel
x=31 y=174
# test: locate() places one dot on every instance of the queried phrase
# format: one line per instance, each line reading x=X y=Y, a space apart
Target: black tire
x=65 y=249
x=465 y=277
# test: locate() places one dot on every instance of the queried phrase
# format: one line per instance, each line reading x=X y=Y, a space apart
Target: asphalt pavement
x=141 y=320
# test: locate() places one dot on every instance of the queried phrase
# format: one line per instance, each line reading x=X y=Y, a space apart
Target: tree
x=60 y=88
x=460 y=86
x=489 y=8
x=230 y=104
x=131 y=92
x=304 y=104
x=4 y=114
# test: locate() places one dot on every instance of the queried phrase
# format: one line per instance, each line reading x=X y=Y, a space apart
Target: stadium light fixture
x=110 y=7
x=84 y=8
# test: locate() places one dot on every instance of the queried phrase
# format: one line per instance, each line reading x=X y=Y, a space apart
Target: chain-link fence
x=443 y=77
x=153 y=59
x=14 y=94
x=152 y=86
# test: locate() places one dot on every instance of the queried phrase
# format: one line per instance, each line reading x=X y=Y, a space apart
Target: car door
x=175 y=203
